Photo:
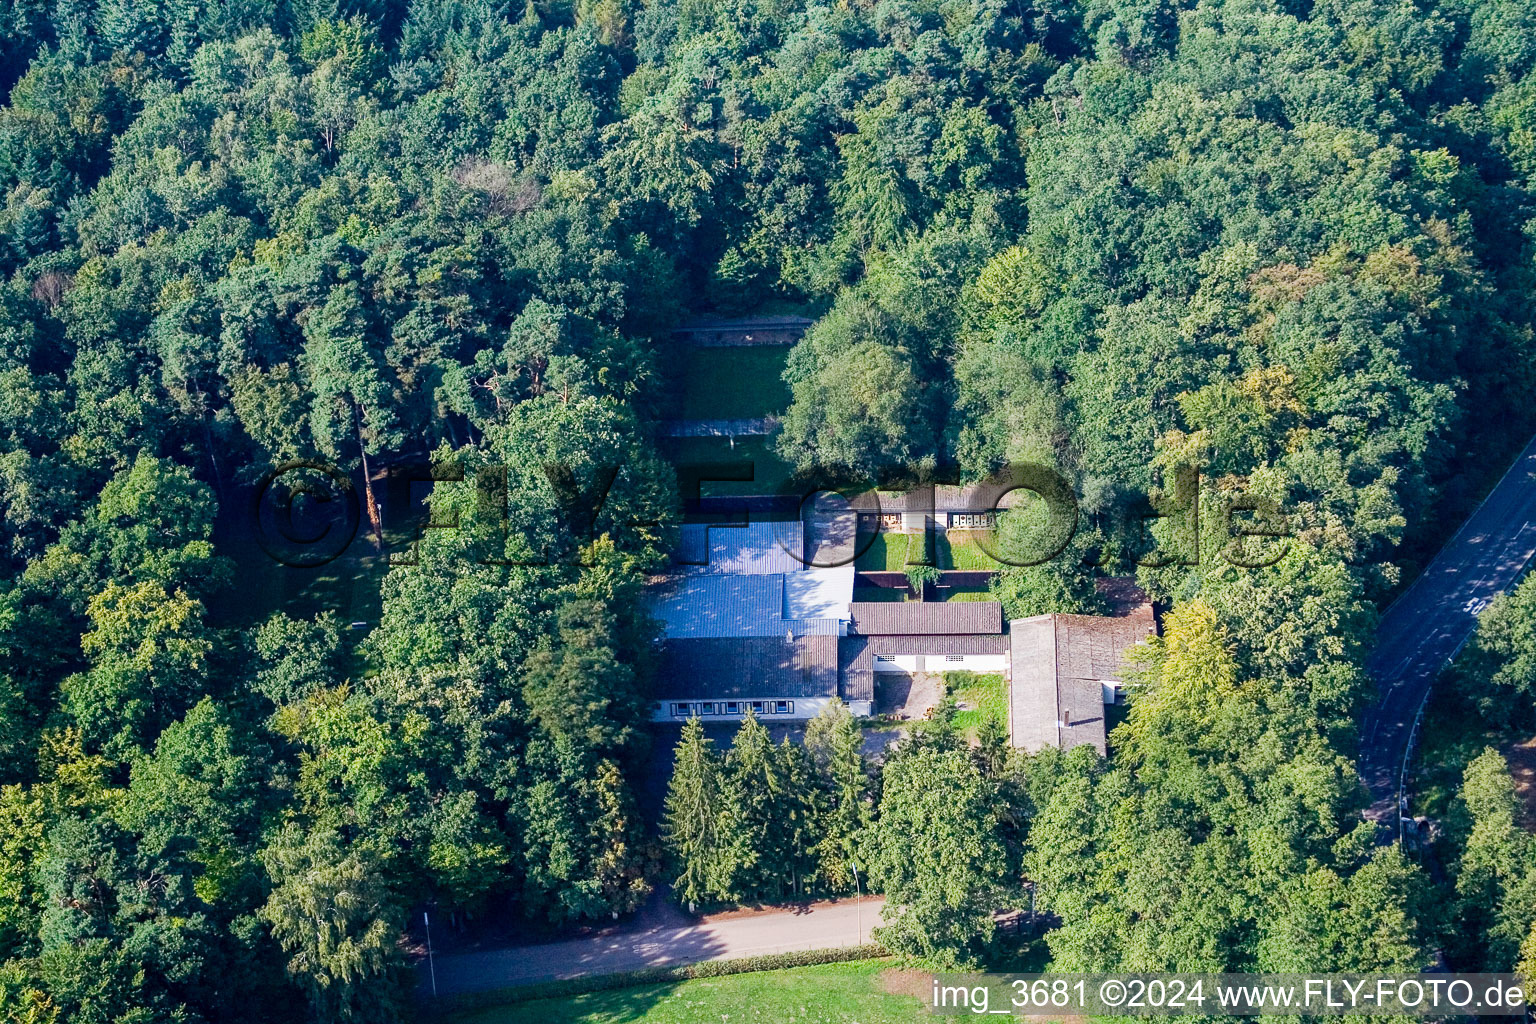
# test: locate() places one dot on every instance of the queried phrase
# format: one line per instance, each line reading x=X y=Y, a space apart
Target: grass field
x=852 y=993
x=887 y=552
x=986 y=693
x=741 y=382
x=952 y=549
x=348 y=585
x=769 y=471
x=966 y=594
x=959 y=549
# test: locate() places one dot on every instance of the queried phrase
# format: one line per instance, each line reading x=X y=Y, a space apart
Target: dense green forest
x=1291 y=242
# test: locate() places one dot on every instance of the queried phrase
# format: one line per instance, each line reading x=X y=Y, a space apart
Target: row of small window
x=957 y=520
x=734 y=707
x=888 y=658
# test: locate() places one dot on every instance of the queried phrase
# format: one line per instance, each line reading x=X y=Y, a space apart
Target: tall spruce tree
x=835 y=744
x=691 y=825
x=754 y=847
x=802 y=812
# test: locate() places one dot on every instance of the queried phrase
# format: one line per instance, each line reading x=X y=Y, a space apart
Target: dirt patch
x=1522 y=768
x=908 y=695
x=877 y=741
x=906 y=982
x=804 y=907
x=919 y=984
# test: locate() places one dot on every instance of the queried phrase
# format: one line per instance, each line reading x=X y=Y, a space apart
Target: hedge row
x=645 y=976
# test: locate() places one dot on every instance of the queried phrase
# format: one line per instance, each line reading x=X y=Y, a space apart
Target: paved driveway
x=724 y=937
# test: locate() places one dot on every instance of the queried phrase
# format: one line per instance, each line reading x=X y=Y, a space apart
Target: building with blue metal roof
x=748 y=626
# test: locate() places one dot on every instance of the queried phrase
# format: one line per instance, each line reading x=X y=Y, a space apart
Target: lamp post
x=431 y=967
x=858 y=908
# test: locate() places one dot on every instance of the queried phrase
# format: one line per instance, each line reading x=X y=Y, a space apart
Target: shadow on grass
x=629 y=1004
x=832 y=993
x=734 y=382
x=348 y=585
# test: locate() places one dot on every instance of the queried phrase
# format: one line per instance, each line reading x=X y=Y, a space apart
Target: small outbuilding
x=1065 y=671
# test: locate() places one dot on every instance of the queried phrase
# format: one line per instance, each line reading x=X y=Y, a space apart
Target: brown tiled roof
x=1094 y=646
x=916 y=618
x=1056 y=671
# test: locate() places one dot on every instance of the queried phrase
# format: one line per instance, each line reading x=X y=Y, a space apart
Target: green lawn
x=987 y=693
x=734 y=383
x=348 y=586
x=966 y=594
x=887 y=552
x=827 y=994
x=769 y=471
x=952 y=549
x=959 y=549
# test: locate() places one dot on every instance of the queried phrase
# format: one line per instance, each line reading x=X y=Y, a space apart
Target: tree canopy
x=1289 y=244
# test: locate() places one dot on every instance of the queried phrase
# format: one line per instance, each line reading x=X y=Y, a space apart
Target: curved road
x=1434 y=617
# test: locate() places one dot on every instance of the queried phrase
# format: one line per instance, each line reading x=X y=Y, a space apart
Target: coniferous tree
x=801 y=814
x=621 y=862
x=331 y=909
x=753 y=845
x=836 y=747
x=692 y=821
x=581 y=844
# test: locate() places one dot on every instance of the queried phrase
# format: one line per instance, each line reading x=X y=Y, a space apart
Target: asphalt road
x=661 y=936
x=1435 y=616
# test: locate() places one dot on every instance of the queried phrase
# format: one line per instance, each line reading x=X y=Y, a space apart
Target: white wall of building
x=768 y=709
x=990 y=663
x=941 y=663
